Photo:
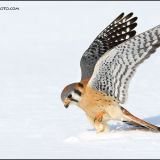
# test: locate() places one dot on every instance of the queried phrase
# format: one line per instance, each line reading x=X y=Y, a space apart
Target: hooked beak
x=67 y=103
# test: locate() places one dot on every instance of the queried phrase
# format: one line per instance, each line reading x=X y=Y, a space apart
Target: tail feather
x=134 y=124
x=131 y=119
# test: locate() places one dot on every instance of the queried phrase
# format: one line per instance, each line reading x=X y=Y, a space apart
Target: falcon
x=107 y=67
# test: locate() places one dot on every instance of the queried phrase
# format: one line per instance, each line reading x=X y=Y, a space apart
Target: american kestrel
x=107 y=67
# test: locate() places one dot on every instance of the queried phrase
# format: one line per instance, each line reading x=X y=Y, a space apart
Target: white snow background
x=40 y=48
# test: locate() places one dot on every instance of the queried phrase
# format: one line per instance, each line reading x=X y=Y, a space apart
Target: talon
x=99 y=117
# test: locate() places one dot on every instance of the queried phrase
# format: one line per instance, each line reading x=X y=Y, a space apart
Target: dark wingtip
x=119 y=17
x=129 y=15
x=132 y=33
x=136 y=18
x=135 y=25
x=132 y=26
x=122 y=14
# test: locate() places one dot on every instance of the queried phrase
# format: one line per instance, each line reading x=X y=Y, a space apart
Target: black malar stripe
x=77 y=92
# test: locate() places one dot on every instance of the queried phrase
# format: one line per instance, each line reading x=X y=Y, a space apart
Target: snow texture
x=40 y=49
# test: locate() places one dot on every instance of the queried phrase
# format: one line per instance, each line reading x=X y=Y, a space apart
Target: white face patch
x=75 y=96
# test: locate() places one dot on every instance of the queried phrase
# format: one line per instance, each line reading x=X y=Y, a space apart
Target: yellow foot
x=100 y=128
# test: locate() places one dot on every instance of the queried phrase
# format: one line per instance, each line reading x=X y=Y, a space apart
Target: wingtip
x=130 y=14
x=135 y=24
x=122 y=14
x=136 y=18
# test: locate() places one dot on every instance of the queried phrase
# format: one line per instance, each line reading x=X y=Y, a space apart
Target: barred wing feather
x=115 y=68
x=117 y=32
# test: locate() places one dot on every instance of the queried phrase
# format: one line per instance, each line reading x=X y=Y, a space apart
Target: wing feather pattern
x=114 y=69
x=121 y=29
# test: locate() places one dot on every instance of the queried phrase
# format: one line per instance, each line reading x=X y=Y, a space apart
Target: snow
x=40 y=48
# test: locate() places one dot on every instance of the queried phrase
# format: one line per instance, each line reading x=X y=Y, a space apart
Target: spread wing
x=117 y=32
x=115 y=68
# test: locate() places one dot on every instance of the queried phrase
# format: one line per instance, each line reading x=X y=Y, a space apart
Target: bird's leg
x=99 y=116
x=136 y=121
x=98 y=122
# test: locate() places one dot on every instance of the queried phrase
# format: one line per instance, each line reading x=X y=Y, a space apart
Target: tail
x=132 y=120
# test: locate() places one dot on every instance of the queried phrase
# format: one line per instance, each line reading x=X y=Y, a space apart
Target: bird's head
x=71 y=94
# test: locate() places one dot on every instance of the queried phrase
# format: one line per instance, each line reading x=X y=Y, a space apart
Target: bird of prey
x=107 y=67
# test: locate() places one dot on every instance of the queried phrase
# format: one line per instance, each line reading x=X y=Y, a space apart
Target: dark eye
x=69 y=96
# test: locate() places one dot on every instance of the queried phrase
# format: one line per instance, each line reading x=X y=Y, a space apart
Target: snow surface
x=40 y=49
